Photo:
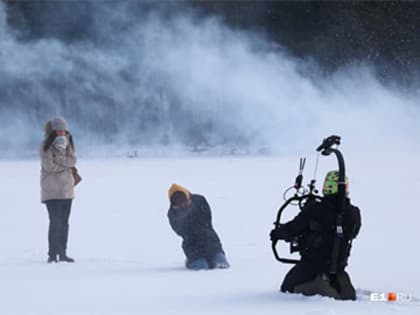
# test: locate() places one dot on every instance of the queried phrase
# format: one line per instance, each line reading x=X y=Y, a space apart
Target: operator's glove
x=279 y=233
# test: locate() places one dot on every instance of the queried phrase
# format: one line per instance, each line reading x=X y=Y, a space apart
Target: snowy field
x=128 y=260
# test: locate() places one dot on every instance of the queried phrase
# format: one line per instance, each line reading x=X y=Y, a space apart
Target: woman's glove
x=61 y=143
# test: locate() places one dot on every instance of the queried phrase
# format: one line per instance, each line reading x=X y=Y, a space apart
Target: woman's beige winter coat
x=57 y=180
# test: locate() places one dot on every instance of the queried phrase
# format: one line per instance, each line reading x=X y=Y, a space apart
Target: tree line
x=333 y=33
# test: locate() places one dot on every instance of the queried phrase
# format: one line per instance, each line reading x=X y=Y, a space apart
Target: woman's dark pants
x=59 y=213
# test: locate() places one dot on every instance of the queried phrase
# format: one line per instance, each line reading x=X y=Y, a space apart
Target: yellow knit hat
x=174 y=188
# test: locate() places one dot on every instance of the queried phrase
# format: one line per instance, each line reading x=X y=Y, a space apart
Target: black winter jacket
x=194 y=225
x=315 y=228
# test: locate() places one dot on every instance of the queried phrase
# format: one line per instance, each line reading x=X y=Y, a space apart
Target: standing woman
x=58 y=162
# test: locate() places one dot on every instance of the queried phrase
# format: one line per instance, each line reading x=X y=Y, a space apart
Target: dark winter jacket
x=194 y=225
x=315 y=228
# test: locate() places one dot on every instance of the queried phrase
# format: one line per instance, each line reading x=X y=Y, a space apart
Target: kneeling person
x=190 y=217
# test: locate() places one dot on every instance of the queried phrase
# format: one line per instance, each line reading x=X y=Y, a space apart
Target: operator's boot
x=344 y=286
x=320 y=285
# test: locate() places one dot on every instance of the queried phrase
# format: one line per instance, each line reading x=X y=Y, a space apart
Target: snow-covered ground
x=128 y=260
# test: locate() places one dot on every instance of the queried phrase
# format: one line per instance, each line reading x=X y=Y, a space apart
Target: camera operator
x=314 y=227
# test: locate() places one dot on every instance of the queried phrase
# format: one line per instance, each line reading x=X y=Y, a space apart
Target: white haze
x=189 y=80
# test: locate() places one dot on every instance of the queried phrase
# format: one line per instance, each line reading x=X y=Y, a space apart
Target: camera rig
x=303 y=197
